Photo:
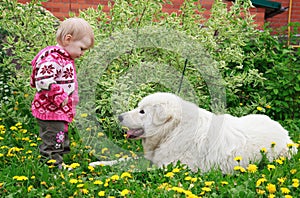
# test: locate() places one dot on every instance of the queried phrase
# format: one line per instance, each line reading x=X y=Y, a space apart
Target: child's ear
x=67 y=39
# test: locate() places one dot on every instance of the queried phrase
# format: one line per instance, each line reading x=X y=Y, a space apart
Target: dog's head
x=154 y=115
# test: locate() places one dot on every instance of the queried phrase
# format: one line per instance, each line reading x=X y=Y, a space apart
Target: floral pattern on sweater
x=54 y=77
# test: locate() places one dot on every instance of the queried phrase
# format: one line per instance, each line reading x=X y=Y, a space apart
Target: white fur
x=175 y=129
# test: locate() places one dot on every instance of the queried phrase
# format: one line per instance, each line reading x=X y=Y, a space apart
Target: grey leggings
x=55 y=140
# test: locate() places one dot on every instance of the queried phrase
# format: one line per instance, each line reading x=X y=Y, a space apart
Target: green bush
x=253 y=64
x=28 y=28
x=259 y=74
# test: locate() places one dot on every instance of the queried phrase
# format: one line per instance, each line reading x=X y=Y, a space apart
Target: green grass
x=23 y=173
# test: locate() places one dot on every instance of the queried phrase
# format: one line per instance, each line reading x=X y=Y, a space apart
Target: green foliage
x=260 y=75
x=28 y=28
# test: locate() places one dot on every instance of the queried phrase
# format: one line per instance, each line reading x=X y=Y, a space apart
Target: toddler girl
x=54 y=77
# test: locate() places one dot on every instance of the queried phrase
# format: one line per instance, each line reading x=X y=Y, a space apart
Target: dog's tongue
x=134 y=133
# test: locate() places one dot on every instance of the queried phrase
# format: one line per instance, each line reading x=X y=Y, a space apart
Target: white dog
x=173 y=130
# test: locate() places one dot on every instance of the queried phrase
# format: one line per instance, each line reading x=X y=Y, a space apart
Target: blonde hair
x=77 y=28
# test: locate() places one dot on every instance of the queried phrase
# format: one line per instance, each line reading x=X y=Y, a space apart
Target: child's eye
x=142 y=111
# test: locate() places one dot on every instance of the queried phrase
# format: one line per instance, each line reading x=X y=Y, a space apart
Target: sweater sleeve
x=56 y=94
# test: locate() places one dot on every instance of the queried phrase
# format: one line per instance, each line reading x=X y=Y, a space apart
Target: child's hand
x=64 y=102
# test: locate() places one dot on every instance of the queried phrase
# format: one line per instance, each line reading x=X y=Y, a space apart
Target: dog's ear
x=160 y=115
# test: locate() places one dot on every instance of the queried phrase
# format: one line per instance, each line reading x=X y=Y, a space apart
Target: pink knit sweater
x=54 y=77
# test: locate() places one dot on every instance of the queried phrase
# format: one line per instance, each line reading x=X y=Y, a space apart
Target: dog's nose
x=120 y=118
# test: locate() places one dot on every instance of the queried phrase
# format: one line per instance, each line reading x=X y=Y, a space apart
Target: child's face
x=78 y=47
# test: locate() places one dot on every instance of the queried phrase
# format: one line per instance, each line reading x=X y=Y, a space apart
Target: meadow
x=260 y=74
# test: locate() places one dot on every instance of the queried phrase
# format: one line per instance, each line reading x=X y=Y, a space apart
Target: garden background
x=259 y=72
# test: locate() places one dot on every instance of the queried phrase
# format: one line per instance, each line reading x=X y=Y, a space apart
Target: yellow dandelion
x=101 y=193
x=33 y=144
x=32 y=177
x=281 y=180
x=271 y=196
x=104 y=150
x=188 y=178
x=169 y=174
x=224 y=183
x=252 y=168
x=2 y=127
x=194 y=179
x=74 y=165
x=13 y=128
x=288 y=196
x=51 y=188
x=239 y=168
x=73 y=181
x=26 y=139
x=164 y=186
x=43 y=183
x=124 y=192
x=290 y=145
x=189 y=194
x=209 y=183
x=260 y=181
x=23 y=130
x=52 y=161
x=177 y=189
x=279 y=161
x=260 y=191
x=285 y=190
x=80 y=185
x=271 y=188
x=48 y=196
x=29 y=188
x=282 y=158
x=176 y=170
x=263 y=150
x=61 y=175
x=20 y=178
x=238 y=158
x=18 y=124
x=273 y=144
x=295 y=183
x=98 y=182
x=270 y=167
x=73 y=144
x=126 y=174
x=206 y=189
x=91 y=168
x=259 y=108
x=115 y=177
x=84 y=115
x=85 y=191
x=100 y=134
x=268 y=107
x=293 y=171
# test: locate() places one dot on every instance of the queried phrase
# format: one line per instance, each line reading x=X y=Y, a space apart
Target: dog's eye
x=142 y=111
